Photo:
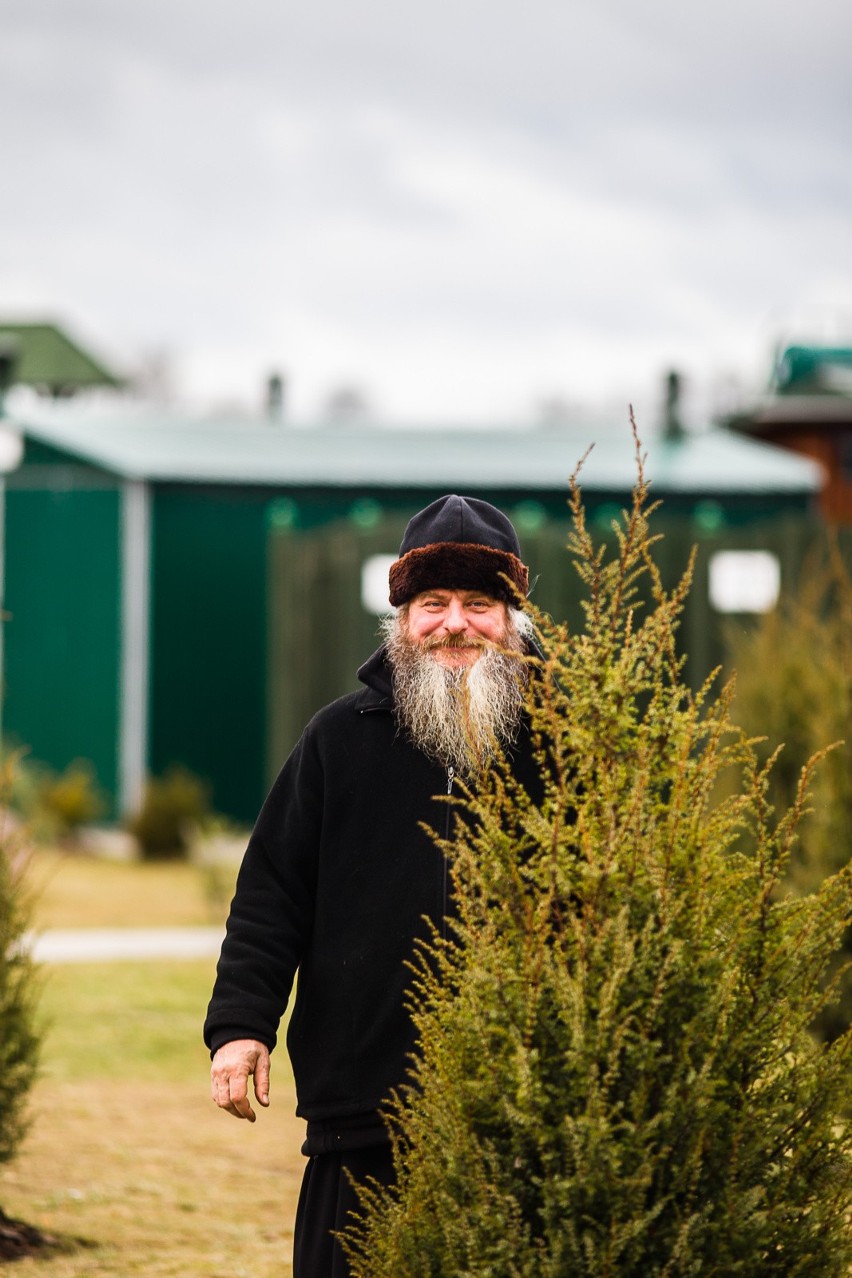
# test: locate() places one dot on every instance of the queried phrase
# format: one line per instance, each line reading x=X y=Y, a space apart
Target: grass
x=75 y=890
x=126 y=1152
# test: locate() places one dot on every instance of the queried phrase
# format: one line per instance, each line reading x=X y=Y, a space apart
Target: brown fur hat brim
x=454 y=565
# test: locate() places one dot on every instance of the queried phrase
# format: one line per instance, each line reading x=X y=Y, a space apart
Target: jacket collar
x=375 y=673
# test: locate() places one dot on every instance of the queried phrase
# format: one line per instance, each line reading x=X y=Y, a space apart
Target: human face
x=438 y=616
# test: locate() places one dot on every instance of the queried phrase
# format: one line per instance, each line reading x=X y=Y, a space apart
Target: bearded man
x=340 y=878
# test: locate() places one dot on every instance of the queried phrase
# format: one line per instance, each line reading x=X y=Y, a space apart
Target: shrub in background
x=616 y=1074
x=25 y=779
x=19 y=1040
x=71 y=799
x=174 y=807
x=55 y=806
x=794 y=686
x=20 y=779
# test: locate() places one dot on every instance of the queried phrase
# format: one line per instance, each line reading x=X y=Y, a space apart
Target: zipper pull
x=451 y=772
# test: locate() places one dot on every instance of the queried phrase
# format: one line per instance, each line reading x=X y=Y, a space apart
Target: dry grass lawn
x=155 y=1181
x=126 y=1152
x=73 y=890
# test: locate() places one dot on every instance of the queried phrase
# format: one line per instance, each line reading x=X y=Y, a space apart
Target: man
x=340 y=876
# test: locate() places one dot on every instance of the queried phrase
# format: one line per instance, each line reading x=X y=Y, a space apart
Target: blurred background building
x=190 y=591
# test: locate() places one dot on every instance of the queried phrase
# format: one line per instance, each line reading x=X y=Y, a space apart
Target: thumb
x=261 y=1078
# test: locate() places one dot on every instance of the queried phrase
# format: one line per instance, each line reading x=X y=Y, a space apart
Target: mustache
x=455 y=641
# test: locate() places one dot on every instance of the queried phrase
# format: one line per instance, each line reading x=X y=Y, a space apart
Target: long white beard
x=460 y=716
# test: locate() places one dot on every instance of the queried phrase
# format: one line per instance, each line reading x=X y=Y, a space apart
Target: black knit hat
x=459 y=543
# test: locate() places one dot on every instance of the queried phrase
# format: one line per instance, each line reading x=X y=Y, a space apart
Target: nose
x=455 y=621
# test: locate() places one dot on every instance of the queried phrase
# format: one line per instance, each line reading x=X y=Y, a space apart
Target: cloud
x=457 y=205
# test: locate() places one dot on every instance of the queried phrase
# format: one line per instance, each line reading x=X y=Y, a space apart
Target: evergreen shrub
x=794 y=686
x=173 y=808
x=71 y=799
x=53 y=805
x=19 y=1038
x=617 y=1078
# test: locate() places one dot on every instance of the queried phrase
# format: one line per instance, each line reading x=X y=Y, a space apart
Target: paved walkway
x=96 y=945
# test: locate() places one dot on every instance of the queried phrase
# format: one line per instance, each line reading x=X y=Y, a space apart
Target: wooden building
x=808 y=410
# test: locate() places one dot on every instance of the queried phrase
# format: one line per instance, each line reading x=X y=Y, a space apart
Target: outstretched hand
x=232 y=1066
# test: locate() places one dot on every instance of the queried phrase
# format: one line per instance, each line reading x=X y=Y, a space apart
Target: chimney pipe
x=275 y=397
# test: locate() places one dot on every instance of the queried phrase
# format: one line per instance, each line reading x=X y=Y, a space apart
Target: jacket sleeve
x=272 y=911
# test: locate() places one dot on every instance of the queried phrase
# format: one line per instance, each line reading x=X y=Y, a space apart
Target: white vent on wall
x=744 y=580
x=374 y=583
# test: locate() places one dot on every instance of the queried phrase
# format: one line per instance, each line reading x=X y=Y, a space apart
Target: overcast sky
x=465 y=210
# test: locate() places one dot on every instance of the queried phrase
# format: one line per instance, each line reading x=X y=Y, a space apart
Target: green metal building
x=188 y=592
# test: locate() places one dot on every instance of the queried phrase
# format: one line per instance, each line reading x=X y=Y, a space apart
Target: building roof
x=813 y=370
x=828 y=412
x=47 y=358
x=258 y=452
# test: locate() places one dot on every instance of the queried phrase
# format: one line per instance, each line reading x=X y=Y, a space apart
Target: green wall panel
x=62 y=631
x=208 y=641
x=320 y=632
x=248 y=640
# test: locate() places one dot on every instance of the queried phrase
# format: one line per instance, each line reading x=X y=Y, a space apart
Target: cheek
x=492 y=628
x=420 y=626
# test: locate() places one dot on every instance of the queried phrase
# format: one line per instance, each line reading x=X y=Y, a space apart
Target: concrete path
x=96 y=945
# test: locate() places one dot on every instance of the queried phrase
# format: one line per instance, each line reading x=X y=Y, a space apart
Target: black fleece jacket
x=335 y=883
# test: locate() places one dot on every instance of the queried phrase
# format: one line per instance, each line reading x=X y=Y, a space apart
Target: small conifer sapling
x=616 y=1076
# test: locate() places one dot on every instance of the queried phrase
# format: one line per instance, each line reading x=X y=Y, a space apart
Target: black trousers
x=327 y=1203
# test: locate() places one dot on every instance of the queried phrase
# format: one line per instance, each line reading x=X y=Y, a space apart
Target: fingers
x=238 y=1102
x=261 y=1078
x=230 y=1091
x=229 y=1075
